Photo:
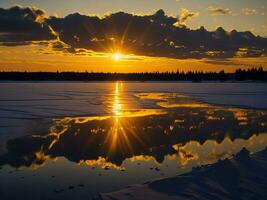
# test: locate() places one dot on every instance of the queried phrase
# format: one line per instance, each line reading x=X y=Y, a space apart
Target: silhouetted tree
x=256 y=74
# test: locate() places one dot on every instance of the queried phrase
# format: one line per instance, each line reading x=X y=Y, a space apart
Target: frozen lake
x=66 y=140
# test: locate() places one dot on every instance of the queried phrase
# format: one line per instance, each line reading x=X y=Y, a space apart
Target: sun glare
x=117 y=56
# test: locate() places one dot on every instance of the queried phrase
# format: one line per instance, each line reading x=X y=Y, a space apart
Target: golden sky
x=33 y=58
x=132 y=36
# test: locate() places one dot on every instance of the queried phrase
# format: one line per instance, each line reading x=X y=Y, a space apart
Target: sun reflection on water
x=117 y=138
x=117 y=104
x=187 y=131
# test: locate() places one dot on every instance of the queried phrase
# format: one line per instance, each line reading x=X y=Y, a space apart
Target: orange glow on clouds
x=41 y=58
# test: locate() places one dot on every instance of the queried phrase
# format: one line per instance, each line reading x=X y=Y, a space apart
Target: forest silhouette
x=254 y=74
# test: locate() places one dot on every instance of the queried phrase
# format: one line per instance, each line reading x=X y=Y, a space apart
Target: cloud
x=185 y=16
x=147 y=35
x=24 y=24
x=249 y=11
x=222 y=62
x=219 y=10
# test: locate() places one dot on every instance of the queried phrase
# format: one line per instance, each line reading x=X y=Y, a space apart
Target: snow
x=242 y=177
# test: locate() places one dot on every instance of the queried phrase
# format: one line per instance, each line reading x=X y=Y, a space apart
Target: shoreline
x=129 y=81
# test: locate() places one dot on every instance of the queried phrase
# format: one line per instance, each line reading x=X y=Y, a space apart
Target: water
x=75 y=140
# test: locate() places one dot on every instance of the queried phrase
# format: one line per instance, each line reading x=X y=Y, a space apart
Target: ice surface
x=24 y=105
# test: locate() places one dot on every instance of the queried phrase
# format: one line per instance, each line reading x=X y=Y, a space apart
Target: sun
x=117 y=56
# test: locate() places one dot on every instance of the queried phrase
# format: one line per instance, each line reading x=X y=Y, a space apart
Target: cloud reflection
x=158 y=133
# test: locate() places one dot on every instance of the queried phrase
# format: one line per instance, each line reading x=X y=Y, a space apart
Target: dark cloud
x=148 y=35
x=222 y=62
x=153 y=35
x=219 y=10
x=19 y=24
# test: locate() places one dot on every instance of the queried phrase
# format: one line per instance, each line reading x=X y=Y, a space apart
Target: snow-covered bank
x=242 y=177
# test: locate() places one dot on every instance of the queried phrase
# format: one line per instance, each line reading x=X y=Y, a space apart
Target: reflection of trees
x=116 y=139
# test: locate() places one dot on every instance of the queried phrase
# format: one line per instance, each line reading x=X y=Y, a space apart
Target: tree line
x=255 y=74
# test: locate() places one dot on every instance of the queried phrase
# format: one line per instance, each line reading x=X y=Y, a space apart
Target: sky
x=31 y=40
